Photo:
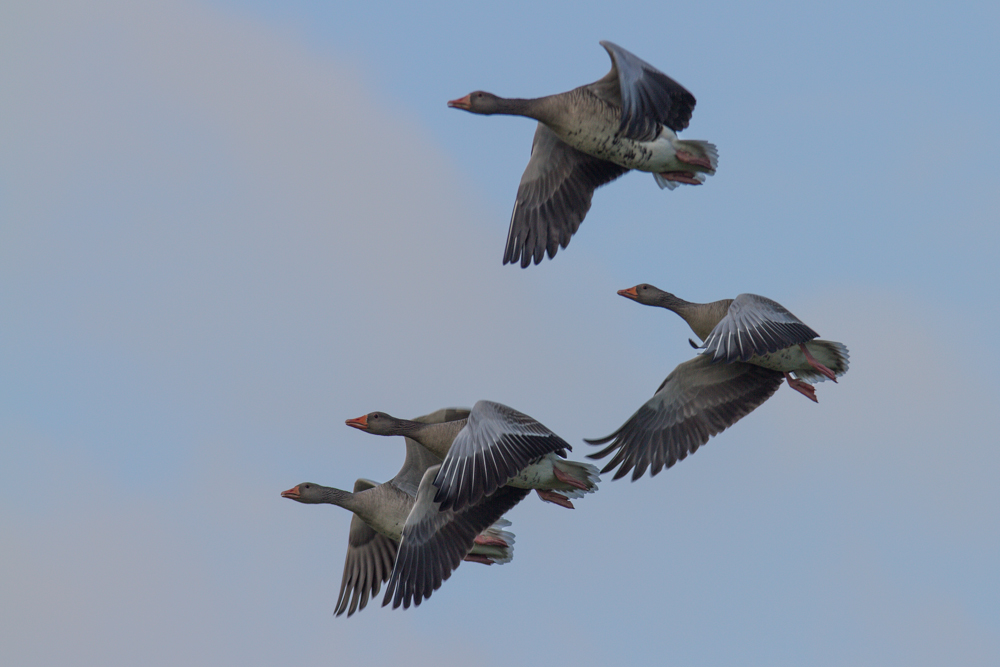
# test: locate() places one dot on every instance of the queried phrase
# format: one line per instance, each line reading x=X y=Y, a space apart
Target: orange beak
x=361 y=422
x=461 y=103
x=292 y=493
x=631 y=293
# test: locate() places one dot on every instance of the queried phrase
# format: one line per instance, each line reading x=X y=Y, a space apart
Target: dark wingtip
x=693 y=344
x=618 y=475
x=508 y=256
x=600 y=441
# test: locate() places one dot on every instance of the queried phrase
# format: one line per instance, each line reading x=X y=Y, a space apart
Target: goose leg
x=803 y=388
x=478 y=559
x=553 y=497
x=566 y=479
x=691 y=158
x=489 y=541
x=815 y=364
x=680 y=177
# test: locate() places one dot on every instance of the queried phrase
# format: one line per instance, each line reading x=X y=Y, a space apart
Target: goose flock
x=464 y=469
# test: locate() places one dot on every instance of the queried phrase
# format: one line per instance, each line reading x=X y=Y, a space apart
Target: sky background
x=227 y=227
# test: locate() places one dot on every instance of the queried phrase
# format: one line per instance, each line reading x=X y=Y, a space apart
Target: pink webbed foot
x=815 y=364
x=553 y=497
x=475 y=558
x=803 y=388
x=691 y=158
x=487 y=541
x=566 y=479
x=680 y=177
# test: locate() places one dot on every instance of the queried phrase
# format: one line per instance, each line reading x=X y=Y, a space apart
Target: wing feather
x=755 y=325
x=434 y=542
x=513 y=441
x=645 y=94
x=697 y=400
x=553 y=198
x=369 y=560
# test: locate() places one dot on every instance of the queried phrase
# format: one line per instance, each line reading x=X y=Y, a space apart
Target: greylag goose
x=758 y=342
x=430 y=543
x=590 y=136
x=493 y=446
x=386 y=513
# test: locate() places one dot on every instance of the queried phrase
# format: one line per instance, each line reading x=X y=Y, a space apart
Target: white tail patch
x=831 y=354
x=700 y=148
x=497 y=554
x=584 y=473
x=700 y=151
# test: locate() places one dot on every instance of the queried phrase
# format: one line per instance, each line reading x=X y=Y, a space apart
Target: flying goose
x=492 y=446
x=590 y=136
x=385 y=513
x=751 y=344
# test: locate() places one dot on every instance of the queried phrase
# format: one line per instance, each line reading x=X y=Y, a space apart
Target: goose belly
x=538 y=475
x=832 y=355
x=785 y=360
x=654 y=156
x=391 y=527
x=391 y=517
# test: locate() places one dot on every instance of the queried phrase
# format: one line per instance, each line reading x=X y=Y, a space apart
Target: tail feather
x=664 y=183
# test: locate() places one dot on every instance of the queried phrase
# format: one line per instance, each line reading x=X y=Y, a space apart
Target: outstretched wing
x=553 y=197
x=496 y=444
x=644 y=93
x=696 y=401
x=755 y=325
x=369 y=561
x=434 y=542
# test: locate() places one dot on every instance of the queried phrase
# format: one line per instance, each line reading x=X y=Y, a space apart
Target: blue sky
x=227 y=227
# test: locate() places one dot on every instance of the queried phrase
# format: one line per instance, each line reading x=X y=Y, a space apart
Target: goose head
x=478 y=102
x=378 y=423
x=646 y=294
x=306 y=492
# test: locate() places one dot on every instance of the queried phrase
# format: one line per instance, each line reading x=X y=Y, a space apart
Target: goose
x=402 y=509
x=751 y=345
x=589 y=136
x=492 y=446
